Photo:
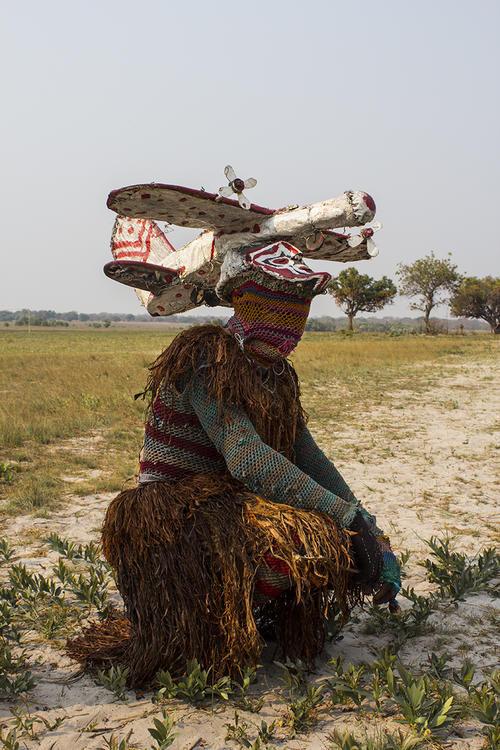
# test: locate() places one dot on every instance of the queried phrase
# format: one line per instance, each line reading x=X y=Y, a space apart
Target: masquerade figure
x=239 y=524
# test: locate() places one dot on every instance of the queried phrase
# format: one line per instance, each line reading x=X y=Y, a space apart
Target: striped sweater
x=184 y=436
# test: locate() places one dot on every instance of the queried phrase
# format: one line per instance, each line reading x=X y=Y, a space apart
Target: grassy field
x=67 y=406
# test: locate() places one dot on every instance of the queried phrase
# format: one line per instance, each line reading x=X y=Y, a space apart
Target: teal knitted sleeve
x=260 y=468
x=311 y=460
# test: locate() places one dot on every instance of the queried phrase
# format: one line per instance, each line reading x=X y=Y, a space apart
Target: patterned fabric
x=175 y=443
x=273 y=575
x=265 y=315
x=271 y=579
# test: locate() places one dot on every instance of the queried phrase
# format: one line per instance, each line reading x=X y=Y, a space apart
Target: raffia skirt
x=201 y=564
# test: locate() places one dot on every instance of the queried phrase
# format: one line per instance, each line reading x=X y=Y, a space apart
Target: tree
x=478 y=298
x=430 y=278
x=355 y=292
x=71 y=315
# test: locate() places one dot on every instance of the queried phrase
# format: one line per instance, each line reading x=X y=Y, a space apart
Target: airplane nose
x=369 y=201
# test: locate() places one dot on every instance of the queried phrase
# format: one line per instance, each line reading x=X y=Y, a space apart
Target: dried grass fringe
x=185 y=557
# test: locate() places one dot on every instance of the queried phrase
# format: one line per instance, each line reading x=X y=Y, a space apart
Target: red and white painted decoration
x=171 y=281
x=283 y=261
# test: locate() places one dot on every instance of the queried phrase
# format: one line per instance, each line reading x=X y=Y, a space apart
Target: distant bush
x=26 y=320
x=325 y=323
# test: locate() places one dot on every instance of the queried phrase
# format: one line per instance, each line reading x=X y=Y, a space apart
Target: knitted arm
x=259 y=467
x=311 y=460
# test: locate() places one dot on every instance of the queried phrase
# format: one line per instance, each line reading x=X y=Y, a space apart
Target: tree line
x=394 y=326
x=71 y=316
x=51 y=318
x=429 y=281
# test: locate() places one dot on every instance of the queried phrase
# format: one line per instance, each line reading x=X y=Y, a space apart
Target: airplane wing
x=141 y=275
x=334 y=246
x=185 y=207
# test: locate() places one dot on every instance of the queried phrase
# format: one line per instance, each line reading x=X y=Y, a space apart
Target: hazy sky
x=397 y=98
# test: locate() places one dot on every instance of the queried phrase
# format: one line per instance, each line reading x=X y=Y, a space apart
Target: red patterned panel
x=138 y=239
x=283 y=261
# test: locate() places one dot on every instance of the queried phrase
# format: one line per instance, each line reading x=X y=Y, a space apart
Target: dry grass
x=63 y=391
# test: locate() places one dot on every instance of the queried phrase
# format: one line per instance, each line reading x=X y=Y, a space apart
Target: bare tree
x=355 y=292
x=431 y=279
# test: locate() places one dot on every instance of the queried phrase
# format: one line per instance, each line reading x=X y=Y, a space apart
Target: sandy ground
x=426 y=463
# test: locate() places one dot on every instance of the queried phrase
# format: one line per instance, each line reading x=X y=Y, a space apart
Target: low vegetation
x=430 y=702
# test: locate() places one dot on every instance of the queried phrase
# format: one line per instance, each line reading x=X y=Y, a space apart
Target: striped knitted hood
x=268 y=323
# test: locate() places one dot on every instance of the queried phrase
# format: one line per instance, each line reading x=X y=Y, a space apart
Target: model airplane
x=171 y=281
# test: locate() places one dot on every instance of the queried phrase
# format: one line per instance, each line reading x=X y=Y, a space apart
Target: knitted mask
x=268 y=321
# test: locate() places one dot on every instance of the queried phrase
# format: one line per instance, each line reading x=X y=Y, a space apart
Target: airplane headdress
x=240 y=239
